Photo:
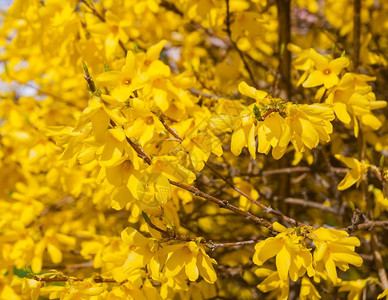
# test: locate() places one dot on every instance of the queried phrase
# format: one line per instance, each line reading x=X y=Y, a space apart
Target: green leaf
x=22 y=273
x=256 y=112
x=146 y=218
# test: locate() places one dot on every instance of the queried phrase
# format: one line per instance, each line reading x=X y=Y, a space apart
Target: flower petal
x=283 y=262
x=316 y=78
x=238 y=141
x=336 y=65
x=319 y=60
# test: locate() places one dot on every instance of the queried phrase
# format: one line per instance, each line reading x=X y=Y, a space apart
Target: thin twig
x=379 y=172
x=313 y=204
x=240 y=53
x=102 y=19
x=356 y=33
x=233 y=244
x=96 y=279
x=210 y=244
x=172 y=131
x=284 y=21
x=139 y=150
x=369 y=225
x=266 y=209
x=195 y=92
x=286 y=170
x=379 y=261
x=222 y=203
x=169 y=234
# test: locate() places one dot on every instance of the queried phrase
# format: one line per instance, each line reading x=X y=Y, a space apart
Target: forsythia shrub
x=135 y=141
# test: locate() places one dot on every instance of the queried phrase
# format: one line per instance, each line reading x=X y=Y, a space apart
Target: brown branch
x=102 y=19
x=260 y=64
x=88 y=78
x=369 y=225
x=175 y=236
x=96 y=279
x=379 y=172
x=213 y=246
x=266 y=209
x=268 y=112
x=284 y=23
x=379 y=261
x=286 y=170
x=139 y=150
x=170 y=234
x=294 y=170
x=171 y=7
x=172 y=131
x=195 y=92
x=94 y=11
x=223 y=204
x=240 y=53
x=356 y=33
x=307 y=203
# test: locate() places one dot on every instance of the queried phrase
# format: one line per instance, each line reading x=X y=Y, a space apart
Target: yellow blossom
x=383 y=294
x=334 y=248
x=191 y=258
x=326 y=72
x=308 y=290
x=126 y=81
x=354 y=287
x=357 y=170
x=292 y=258
x=273 y=283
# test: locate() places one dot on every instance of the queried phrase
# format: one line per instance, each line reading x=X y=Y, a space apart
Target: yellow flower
x=308 y=290
x=142 y=124
x=191 y=258
x=354 y=287
x=383 y=294
x=309 y=124
x=244 y=135
x=142 y=252
x=334 y=248
x=303 y=62
x=93 y=250
x=292 y=258
x=113 y=30
x=326 y=72
x=277 y=123
x=200 y=146
x=354 y=100
x=381 y=202
x=273 y=283
x=357 y=170
x=126 y=81
x=54 y=243
x=84 y=289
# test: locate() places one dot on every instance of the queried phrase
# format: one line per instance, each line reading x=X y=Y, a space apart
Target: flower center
x=126 y=81
x=326 y=71
x=149 y=120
